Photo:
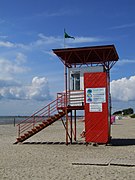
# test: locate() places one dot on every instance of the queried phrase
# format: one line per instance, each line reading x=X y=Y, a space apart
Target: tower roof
x=99 y=55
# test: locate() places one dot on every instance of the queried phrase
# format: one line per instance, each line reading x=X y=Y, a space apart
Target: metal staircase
x=41 y=119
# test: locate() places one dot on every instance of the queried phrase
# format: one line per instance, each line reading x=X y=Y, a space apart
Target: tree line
x=128 y=111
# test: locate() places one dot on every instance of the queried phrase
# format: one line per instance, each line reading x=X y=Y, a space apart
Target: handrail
x=75 y=98
x=41 y=115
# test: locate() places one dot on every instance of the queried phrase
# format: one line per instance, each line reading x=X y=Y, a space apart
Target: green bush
x=117 y=112
x=124 y=112
x=132 y=116
x=128 y=111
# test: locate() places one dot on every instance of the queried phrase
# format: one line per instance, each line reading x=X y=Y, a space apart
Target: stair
x=40 y=120
x=40 y=127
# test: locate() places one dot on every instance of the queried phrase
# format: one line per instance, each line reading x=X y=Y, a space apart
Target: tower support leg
x=75 y=125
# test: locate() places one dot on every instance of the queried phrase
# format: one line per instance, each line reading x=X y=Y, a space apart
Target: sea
x=17 y=119
x=116 y=105
x=11 y=119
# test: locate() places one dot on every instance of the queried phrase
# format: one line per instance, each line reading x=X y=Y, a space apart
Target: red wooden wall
x=97 y=120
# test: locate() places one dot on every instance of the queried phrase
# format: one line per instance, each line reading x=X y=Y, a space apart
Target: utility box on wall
x=97 y=117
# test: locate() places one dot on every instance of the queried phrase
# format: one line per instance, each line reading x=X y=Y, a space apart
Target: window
x=75 y=81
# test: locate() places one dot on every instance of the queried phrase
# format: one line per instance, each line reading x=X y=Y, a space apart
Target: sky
x=31 y=75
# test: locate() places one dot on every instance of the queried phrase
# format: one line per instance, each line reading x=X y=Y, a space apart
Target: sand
x=56 y=162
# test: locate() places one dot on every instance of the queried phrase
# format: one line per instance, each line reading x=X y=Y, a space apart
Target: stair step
x=57 y=115
x=23 y=136
x=62 y=113
x=50 y=120
x=37 y=127
x=30 y=132
x=26 y=134
x=18 y=139
x=44 y=122
x=53 y=117
x=34 y=130
x=41 y=125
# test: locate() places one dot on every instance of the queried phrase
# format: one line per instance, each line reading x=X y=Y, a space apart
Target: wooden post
x=66 y=105
x=75 y=125
x=71 y=127
x=19 y=130
x=14 y=121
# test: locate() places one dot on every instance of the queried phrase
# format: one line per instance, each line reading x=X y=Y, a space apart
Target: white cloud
x=13 y=89
x=87 y=39
x=59 y=41
x=123 y=89
x=123 y=26
x=8 y=68
x=47 y=40
x=6 y=44
x=125 y=61
x=37 y=90
x=20 y=58
x=11 y=92
x=8 y=83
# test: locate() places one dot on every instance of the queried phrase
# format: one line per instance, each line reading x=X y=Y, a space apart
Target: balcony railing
x=74 y=98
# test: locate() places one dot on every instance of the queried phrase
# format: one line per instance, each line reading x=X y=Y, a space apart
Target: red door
x=97 y=119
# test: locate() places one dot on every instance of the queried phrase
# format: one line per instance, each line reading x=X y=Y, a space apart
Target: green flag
x=67 y=36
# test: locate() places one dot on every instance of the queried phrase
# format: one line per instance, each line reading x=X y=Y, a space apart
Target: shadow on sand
x=122 y=142
x=113 y=142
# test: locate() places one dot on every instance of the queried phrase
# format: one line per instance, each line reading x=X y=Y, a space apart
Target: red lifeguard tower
x=87 y=87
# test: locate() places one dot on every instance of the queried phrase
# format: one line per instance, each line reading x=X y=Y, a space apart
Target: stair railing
x=41 y=115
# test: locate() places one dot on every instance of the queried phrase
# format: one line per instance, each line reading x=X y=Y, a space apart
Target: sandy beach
x=42 y=161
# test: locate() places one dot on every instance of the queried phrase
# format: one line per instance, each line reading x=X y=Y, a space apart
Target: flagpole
x=64 y=38
x=66 y=88
x=65 y=72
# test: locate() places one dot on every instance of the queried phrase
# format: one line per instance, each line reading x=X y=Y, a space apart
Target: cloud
x=123 y=89
x=20 y=58
x=6 y=44
x=87 y=39
x=58 y=41
x=123 y=26
x=8 y=83
x=37 y=90
x=125 y=61
x=47 y=42
x=8 y=68
x=10 y=88
x=50 y=53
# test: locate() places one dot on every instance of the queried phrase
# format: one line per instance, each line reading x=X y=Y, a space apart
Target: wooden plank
x=122 y=162
x=93 y=161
